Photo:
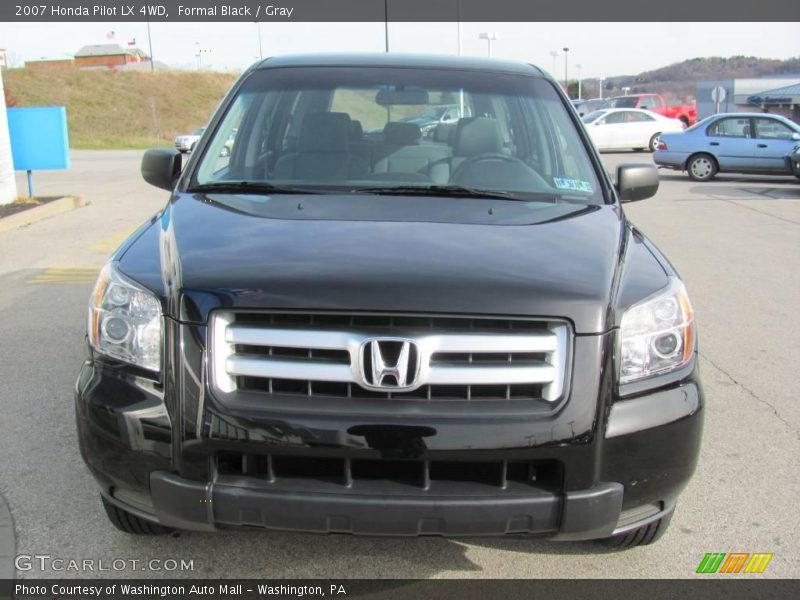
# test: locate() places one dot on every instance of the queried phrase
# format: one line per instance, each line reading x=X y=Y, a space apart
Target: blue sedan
x=757 y=143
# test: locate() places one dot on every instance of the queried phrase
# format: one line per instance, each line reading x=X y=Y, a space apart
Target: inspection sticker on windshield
x=576 y=185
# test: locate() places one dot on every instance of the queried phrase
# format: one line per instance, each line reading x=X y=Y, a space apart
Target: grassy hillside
x=122 y=109
x=678 y=81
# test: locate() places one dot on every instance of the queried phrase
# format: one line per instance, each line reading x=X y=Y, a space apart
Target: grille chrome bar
x=499 y=375
x=452 y=352
x=287 y=369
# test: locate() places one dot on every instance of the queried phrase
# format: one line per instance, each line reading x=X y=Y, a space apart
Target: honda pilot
x=458 y=334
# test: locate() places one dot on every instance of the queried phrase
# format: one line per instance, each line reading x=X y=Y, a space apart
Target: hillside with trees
x=677 y=81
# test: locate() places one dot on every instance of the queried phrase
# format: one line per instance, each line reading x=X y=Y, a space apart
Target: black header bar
x=399 y=11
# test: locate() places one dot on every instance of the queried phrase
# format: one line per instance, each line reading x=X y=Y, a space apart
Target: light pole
x=386 y=22
x=566 y=70
x=602 y=79
x=260 y=49
x=579 y=67
x=458 y=24
x=489 y=36
x=554 y=54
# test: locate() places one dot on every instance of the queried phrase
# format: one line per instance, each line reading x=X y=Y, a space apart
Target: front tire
x=129 y=523
x=643 y=536
x=701 y=167
x=654 y=141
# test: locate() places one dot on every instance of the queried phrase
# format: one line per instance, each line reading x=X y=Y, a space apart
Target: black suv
x=452 y=336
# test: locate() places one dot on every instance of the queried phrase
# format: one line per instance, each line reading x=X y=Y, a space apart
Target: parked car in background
x=686 y=113
x=584 y=107
x=755 y=143
x=628 y=128
x=432 y=116
x=186 y=143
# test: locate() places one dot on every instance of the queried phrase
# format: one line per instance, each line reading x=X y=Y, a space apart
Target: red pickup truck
x=655 y=102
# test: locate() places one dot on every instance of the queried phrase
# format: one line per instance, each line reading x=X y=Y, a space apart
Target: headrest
x=324 y=132
x=444 y=132
x=401 y=134
x=477 y=135
x=356 y=131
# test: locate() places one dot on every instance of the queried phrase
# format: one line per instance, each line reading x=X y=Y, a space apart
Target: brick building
x=96 y=56
x=108 y=55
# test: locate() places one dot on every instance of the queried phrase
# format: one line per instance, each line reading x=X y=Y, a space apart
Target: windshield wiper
x=249 y=187
x=453 y=191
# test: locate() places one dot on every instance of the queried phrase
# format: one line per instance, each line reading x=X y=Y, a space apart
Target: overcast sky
x=603 y=49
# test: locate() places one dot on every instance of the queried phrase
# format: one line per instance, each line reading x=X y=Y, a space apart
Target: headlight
x=125 y=320
x=657 y=334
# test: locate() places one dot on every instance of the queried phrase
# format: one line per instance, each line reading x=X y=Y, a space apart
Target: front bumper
x=185 y=504
x=627 y=473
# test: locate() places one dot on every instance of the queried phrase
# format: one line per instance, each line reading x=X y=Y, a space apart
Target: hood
x=320 y=259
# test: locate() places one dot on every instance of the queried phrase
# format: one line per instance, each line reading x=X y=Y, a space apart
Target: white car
x=186 y=143
x=628 y=128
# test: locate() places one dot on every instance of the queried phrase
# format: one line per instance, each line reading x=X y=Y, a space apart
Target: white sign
x=718 y=94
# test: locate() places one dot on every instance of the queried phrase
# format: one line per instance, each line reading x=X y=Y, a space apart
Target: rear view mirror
x=391 y=97
x=636 y=182
x=161 y=167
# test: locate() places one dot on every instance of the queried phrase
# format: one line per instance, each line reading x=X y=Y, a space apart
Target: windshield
x=593 y=116
x=623 y=102
x=303 y=129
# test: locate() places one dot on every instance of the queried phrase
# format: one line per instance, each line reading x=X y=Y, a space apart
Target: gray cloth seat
x=443 y=133
x=323 y=151
x=403 y=152
x=473 y=136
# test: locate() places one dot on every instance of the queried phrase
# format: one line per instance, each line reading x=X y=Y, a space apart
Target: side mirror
x=161 y=167
x=636 y=182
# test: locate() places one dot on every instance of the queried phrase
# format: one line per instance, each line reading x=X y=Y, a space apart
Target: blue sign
x=39 y=138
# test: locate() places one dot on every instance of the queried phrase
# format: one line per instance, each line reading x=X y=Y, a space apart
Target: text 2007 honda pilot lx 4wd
x=341 y=327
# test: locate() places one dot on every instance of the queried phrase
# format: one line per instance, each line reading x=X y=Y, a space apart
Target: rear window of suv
x=344 y=129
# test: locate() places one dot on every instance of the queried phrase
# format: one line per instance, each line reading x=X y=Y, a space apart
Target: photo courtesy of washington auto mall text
x=399 y=299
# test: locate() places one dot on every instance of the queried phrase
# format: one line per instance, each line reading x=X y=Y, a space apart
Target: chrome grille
x=323 y=355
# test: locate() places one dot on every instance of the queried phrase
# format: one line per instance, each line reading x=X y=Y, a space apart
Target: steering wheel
x=511 y=163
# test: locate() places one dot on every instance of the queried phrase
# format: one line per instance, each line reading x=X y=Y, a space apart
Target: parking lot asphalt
x=736 y=242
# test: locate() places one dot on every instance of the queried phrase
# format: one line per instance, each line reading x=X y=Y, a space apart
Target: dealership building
x=778 y=95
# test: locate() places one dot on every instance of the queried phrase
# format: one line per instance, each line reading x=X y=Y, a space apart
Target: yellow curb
x=56 y=207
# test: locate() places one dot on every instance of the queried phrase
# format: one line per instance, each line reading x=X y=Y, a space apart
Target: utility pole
x=260 y=49
x=458 y=24
x=566 y=70
x=602 y=79
x=579 y=67
x=150 y=45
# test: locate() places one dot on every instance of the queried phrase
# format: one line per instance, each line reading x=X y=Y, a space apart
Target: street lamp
x=489 y=37
x=602 y=79
x=260 y=48
x=566 y=71
x=554 y=54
